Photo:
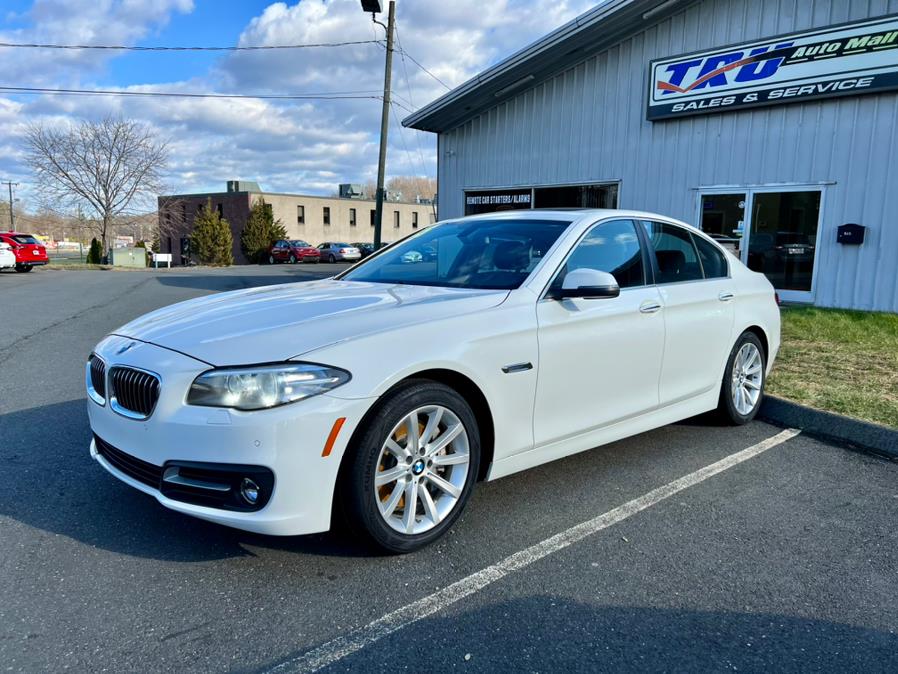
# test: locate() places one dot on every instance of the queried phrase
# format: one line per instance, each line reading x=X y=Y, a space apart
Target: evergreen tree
x=211 y=239
x=95 y=253
x=260 y=232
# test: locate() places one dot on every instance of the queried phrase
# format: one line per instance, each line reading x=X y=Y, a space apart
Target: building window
x=183 y=215
x=395 y=218
x=373 y=216
x=327 y=215
x=352 y=222
x=220 y=211
x=414 y=219
x=300 y=215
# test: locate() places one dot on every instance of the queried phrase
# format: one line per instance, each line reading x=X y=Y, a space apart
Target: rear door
x=697 y=297
x=599 y=359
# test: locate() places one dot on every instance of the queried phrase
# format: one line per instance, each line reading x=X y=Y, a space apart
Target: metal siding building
x=585 y=123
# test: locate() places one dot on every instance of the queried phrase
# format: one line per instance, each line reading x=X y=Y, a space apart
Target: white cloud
x=288 y=146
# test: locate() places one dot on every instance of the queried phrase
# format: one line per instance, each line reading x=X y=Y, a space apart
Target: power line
x=332 y=95
x=408 y=87
x=412 y=59
x=21 y=45
x=417 y=63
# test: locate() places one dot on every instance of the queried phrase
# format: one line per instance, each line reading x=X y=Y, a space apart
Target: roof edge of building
x=286 y=194
x=423 y=119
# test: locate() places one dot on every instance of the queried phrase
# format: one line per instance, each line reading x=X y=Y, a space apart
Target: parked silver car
x=339 y=252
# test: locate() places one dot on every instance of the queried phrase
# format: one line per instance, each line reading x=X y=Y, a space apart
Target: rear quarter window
x=714 y=262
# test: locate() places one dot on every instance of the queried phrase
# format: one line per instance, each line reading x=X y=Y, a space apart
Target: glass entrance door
x=780 y=226
x=783 y=238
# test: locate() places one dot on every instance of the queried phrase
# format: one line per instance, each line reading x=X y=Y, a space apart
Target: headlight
x=256 y=388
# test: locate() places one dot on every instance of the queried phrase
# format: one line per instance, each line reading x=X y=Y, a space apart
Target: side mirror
x=588 y=284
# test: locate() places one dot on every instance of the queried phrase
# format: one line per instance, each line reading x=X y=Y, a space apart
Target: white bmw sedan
x=385 y=393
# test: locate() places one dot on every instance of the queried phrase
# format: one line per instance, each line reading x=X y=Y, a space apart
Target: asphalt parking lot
x=787 y=560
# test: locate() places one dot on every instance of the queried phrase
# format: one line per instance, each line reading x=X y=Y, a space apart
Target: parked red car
x=292 y=251
x=29 y=251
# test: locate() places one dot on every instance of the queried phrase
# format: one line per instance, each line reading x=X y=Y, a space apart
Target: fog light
x=249 y=490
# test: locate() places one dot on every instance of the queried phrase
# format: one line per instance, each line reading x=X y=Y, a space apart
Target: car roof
x=575 y=214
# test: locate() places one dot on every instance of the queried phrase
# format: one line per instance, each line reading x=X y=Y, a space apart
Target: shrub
x=211 y=239
x=260 y=232
x=95 y=253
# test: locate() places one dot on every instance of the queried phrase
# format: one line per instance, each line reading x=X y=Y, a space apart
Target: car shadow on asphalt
x=52 y=484
x=554 y=633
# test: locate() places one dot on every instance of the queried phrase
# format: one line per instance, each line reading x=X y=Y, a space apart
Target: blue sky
x=307 y=146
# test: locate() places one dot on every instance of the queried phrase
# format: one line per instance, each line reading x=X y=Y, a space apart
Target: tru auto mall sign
x=847 y=59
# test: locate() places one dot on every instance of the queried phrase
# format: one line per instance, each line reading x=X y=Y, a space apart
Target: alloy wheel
x=422 y=469
x=747 y=378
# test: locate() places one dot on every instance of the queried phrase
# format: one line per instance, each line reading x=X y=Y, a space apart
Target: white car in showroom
x=385 y=393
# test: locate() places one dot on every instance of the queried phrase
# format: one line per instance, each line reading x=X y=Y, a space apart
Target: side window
x=714 y=262
x=675 y=253
x=612 y=247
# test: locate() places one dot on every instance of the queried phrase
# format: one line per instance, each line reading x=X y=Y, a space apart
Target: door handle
x=725 y=296
x=649 y=307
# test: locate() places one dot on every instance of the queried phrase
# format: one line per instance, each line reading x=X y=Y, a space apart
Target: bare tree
x=103 y=167
x=412 y=188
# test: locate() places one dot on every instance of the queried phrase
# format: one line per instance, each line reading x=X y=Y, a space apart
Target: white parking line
x=349 y=643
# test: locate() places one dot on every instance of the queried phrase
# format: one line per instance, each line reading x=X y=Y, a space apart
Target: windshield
x=299 y=244
x=488 y=254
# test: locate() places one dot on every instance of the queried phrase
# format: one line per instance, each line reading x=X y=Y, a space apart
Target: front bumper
x=286 y=440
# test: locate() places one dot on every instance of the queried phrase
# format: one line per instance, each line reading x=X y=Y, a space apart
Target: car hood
x=276 y=323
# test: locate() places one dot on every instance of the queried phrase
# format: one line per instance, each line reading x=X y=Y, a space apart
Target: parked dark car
x=364 y=248
x=29 y=252
x=292 y=251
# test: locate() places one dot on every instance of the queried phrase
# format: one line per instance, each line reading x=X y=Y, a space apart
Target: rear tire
x=23 y=268
x=331 y=258
x=744 y=378
x=441 y=478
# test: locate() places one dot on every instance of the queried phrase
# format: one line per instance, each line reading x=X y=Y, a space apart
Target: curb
x=861 y=435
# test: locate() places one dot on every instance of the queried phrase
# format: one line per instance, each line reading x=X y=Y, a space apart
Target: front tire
x=742 y=389
x=271 y=259
x=331 y=258
x=411 y=470
x=292 y=259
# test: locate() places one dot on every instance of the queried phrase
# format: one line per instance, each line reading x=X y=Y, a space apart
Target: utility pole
x=12 y=218
x=384 y=125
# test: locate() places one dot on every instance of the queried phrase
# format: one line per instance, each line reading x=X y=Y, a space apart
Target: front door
x=599 y=359
x=772 y=230
x=782 y=241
